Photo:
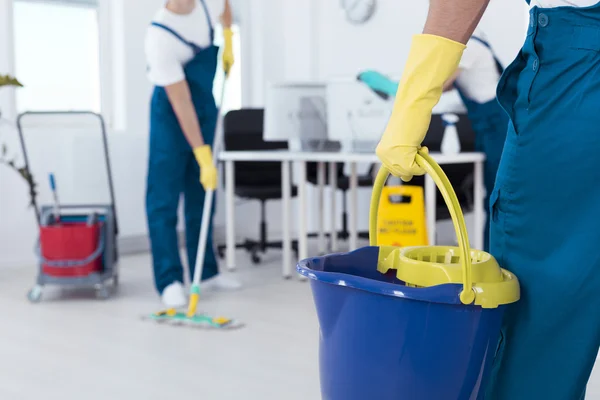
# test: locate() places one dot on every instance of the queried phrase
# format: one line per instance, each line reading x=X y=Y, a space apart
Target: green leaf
x=7 y=80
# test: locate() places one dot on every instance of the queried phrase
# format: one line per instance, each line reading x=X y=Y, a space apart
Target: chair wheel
x=35 y=294
x=255 y=259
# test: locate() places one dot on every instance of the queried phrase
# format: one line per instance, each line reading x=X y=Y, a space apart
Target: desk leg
x=353 y=207
x=333 y=210
x=479 y=199
x=320 y=211
x=302 y=240
x=230 y=215
x=430 y=208
x=286 y=218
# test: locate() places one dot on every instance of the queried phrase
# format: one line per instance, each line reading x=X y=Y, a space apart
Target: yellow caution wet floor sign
x=401 y=217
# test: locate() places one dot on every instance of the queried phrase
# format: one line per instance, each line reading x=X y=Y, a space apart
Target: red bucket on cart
x=72 y=249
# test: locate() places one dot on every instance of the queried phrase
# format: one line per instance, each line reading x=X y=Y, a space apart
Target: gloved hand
x=208 y=171
x=379 y=83
x=228 y=58
x=432 y=60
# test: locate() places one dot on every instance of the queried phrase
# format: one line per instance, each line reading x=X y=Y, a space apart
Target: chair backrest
x=243 y=131
x=458 y=174
x=313 y=167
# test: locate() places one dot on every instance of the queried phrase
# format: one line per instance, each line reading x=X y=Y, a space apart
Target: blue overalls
x=489 y=122
x=546 y=208
x=173 y=170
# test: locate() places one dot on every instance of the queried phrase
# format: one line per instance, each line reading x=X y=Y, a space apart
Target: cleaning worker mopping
x=182 y=62
x=545 y=206
x=475 y=79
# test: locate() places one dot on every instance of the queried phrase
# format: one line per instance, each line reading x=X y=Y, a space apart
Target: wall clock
x=359 y=11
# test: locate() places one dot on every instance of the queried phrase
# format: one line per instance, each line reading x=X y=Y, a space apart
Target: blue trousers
x=546 y=209
x=173 y=171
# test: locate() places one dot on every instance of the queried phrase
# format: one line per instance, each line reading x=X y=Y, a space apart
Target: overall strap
x=177 y=35
x=482 y=41
x=208 y=21
x=499 y=65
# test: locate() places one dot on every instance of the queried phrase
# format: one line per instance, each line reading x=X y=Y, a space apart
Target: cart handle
x=104 y=145
x=467 y=296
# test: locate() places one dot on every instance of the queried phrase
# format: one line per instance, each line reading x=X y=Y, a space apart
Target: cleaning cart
x=77 y=244
x=418 y=323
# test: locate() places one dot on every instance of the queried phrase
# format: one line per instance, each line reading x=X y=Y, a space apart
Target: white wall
x=312 y=40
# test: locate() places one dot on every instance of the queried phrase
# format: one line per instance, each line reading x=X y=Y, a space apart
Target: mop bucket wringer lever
x=484 y=283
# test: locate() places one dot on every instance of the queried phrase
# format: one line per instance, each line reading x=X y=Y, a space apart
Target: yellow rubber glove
x=432 y=60
x=208 y=171
x=228 y=58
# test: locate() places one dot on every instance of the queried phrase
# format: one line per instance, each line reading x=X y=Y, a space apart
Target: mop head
x=181 y=318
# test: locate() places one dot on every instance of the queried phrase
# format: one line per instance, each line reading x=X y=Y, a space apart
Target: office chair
x=243 y=130
x=343 y=184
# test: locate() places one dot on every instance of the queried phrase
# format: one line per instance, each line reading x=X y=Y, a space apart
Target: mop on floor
x=191 y=317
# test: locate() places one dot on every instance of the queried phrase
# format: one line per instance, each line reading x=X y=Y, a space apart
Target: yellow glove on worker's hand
x=431 y=62
x=208 y=171
x=228 y=58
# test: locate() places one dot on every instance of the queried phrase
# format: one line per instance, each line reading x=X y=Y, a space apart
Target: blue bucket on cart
x=414 y=323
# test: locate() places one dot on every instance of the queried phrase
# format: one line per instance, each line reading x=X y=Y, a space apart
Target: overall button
x=543 y=20
x=535 y=64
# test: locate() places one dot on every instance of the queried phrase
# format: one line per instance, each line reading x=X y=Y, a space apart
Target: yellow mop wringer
x=190 y=317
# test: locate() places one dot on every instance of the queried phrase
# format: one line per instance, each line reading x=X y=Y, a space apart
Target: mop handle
x=467 y=296
x=208 y=198
x=55 y=197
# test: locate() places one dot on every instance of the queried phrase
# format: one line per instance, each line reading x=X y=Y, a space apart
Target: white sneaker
x=221 y=282
x=174 y=295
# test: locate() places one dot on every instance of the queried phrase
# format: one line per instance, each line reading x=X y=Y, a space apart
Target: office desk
x=300 y=159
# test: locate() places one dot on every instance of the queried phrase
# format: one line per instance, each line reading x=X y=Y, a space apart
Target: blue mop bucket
x=417 y=323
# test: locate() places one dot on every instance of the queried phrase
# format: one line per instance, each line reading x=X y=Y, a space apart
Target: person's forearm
x=227 y=16
x=181 y=101
x=454 y=19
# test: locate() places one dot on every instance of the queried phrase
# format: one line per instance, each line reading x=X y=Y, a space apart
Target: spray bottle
x=450 y=141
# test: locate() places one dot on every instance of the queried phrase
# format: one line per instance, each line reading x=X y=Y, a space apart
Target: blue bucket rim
x=444 y=294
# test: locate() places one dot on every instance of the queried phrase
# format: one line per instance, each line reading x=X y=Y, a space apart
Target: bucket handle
x=467 y=296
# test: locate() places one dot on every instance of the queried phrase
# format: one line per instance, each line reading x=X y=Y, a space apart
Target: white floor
x=72 y=346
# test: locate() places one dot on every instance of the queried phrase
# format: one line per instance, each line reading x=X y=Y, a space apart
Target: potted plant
x=10 y=162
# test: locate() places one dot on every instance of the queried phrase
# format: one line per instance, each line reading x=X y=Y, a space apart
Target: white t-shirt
x=166 y=55
x=561 y=3
x=479 y=76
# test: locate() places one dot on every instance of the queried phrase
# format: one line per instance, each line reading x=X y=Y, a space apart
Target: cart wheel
x=35 y=294
x=255 y=259
x=102 y=292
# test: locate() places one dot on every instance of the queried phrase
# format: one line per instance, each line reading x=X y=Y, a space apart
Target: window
x=233 y=91
x=57 y=55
